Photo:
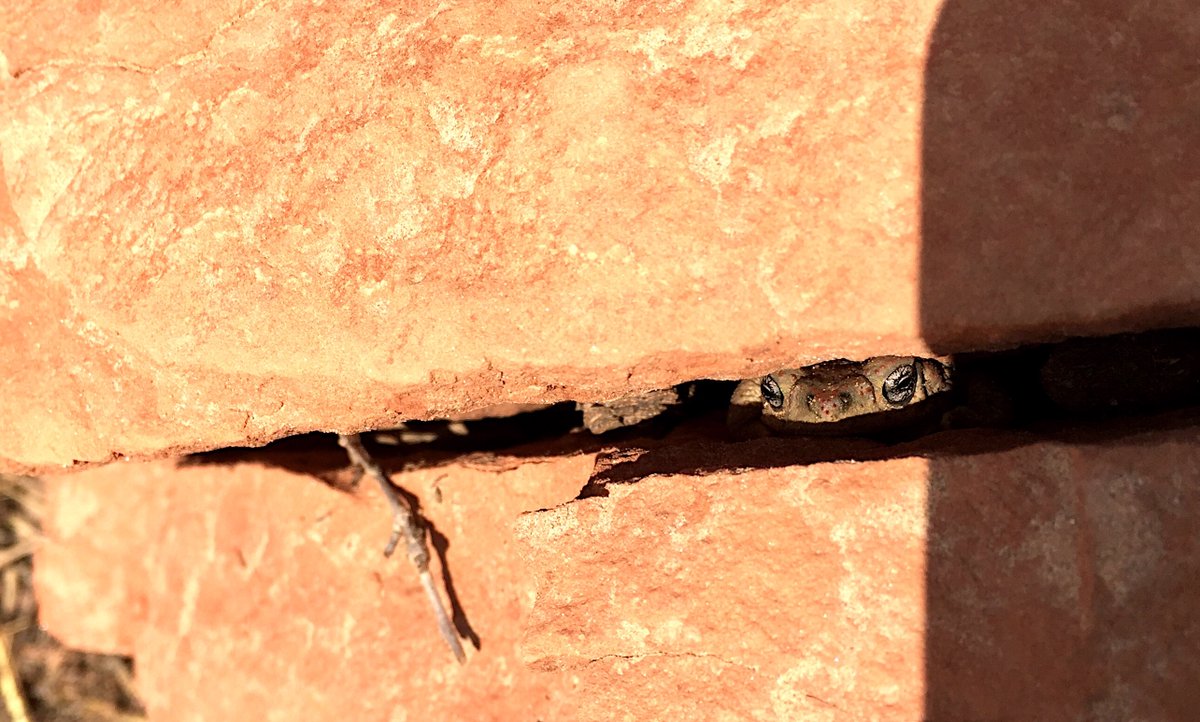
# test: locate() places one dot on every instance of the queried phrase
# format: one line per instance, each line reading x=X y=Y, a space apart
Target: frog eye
x=900 y=385
x=771 y=392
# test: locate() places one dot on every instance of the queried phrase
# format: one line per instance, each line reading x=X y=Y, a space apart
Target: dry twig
x=405 y=524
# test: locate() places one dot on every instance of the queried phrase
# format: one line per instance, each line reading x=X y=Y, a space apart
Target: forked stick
x=406 y=524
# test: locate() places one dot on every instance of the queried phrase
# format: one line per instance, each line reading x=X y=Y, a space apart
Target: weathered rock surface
x=1045 y=582
x=221 y=224
x=250 y=592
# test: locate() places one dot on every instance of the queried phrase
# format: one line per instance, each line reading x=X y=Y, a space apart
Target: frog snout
x=829 y=405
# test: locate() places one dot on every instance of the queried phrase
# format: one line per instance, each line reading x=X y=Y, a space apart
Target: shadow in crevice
x=1060 y=184
x=696 y=440
x=703 y=455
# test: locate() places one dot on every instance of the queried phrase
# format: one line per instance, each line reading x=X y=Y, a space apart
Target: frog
x=1079 y=378
x=843 y=397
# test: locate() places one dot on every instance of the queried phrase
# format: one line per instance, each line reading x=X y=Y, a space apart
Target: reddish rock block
x=1042 y=580
x=250 y=592
x=345 y=219
x=1046 y=582
x=224 y=224
x=794 y=591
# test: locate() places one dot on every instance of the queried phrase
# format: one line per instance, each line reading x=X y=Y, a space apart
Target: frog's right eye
x=900 y=385
x=771 y=392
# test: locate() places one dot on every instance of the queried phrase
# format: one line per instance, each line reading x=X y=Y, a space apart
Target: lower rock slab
x=1041 y=580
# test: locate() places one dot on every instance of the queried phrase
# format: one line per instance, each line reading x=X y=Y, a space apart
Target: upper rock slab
x=223 y=224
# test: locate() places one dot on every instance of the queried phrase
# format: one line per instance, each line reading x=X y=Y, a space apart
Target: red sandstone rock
x=785 y=592
x=248 y=592
x=1049 y=581
x=221 y=225
x=1046 y=582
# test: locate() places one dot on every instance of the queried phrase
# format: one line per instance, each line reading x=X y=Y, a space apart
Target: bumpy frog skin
x=839 y=397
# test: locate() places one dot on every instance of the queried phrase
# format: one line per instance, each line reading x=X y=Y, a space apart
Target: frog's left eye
x=771 y=392
x=900 y=385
